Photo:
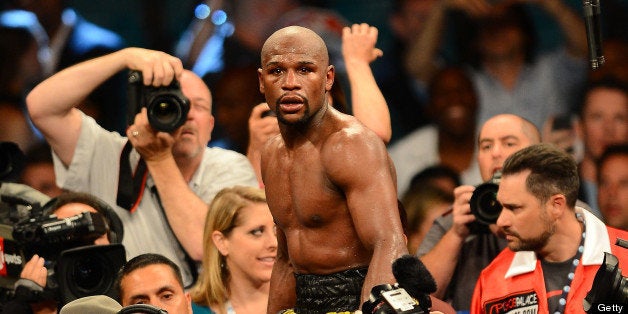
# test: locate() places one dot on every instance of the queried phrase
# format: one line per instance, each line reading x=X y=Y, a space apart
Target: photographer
x=31 y=295
x=450 y=251
x=169 y=201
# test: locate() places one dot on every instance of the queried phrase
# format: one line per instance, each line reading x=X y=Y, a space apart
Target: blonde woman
x=240 y=247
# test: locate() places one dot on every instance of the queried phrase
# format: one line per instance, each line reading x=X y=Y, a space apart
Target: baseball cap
x=97 y=304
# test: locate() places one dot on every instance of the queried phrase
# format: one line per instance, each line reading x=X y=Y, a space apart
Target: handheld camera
x=166 y=105
x=484 y=204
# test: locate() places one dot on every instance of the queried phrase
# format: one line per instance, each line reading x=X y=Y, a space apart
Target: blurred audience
x=235 y=94
x=509 y=74
x=39 y=172
x=240 y=245
x=20 y=69
x=15 y=126
x=262 y=126
x=423 y=205
x=497 y=39
x=612 y=197
x=406 y=96
x=562 y=131
x=438 y=175
x=450 y=139
x=603 y=120
x=231 y=36
x=21 y=60
x=615 y=50
x=429 y=196
x=68 y=39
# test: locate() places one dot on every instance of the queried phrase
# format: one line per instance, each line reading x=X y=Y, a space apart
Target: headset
x=116 y=229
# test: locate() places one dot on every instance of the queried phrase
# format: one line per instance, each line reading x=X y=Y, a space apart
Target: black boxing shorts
x=339 y=292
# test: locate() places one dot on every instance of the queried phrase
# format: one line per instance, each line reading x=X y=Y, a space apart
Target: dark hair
x=434 y=172
x=512 y=15
x=552 y=171
x=39 y=153
x=615 y=150
x=418 y=199
x=145 y=260
x=607 y=82
x=435 y=81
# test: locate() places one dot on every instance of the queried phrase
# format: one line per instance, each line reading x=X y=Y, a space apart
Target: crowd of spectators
x=432 y=78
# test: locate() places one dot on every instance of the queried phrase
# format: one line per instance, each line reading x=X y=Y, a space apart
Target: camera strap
x=130 y=185
x=188 y=259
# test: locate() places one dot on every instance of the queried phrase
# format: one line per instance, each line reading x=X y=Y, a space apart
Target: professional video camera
x=76 y=267
x=166 y=105
x=411 y=293
x=484 y=204
x=609 y=286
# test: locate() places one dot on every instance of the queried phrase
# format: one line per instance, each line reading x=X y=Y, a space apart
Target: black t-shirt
x=556 y=277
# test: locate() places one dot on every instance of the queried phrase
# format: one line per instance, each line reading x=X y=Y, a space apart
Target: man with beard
x=329 y=182
x=168 y=202
x=554 y=248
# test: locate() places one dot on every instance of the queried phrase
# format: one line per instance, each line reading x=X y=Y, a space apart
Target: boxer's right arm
x=282 y=282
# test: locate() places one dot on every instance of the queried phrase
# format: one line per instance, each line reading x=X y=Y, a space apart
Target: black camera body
x=46 y=235
x=76 y=267
x=609 y=285
x=167 y=107
x=89 y=270
x=392 y=299
x=484 y=205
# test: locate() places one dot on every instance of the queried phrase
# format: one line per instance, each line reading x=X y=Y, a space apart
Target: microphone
x=411 y=293
x=594 y=34
x=412 y=275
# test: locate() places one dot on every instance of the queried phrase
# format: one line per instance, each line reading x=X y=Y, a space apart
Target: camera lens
x=89 y=270
x=484 y=204
x=88 y=274
x=166 y=113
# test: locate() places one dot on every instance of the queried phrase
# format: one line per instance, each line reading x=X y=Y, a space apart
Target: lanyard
x=576 y=260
